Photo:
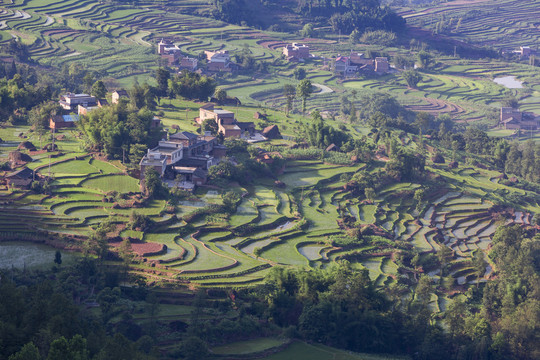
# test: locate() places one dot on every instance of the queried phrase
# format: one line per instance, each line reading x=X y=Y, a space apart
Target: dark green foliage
x=289 y=92
x=140 y=222
x=193 y=86
x=153 y=184
x=99 y=90
x=304 y=89
x=18 y=94
x=58 y=257
x=405 y=166
x=40 y=115
x=320 y=135
x=412 y=77
x=162 y=78
x=299 y=73
x=115 y=129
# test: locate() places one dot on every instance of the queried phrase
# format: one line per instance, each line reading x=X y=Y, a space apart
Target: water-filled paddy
x=29 y=255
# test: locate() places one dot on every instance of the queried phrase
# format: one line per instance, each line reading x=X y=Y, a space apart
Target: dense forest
x=343 y=15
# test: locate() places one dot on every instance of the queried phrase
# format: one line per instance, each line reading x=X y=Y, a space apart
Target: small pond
x=29 y=255
x=509 y=82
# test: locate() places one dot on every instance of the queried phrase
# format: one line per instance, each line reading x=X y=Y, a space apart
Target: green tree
x=220 y=95
x=425 y=60
x=162 y=78
x=58 y=257
x=412 y=77
x=289 y=92
x=153 y=184
x=299 y=73
x=231 y=200
x=307 y=31
x=193 y=348
x=99 y=90
x=27 y=352
x=304 y=90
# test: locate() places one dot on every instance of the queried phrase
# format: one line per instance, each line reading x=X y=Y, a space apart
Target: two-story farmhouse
x=218 y=61
x=186 y=154
x=70 y=102
x=343 y=66
x=227 y=124
x=296 y=52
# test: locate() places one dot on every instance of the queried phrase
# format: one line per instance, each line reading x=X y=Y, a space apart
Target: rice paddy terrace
x=118 y=41
x=292 y=226
x=500 y=24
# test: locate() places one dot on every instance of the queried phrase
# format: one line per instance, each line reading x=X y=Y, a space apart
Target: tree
x=510 y=101
x=153 y=184
x=425 y=59
x=58 y=257
x=193 y=348
x=99 y=90
x=162 y=78
x=299 y=73
x=289 y=92
x=412 y=77
x=370 y=193
x=308 y=31
x=231 y=200
x=444 y=254
x=404 y=63
x=28 y=352
x=303 y=91
x=220 y=95
x=354 y=37
x=479 y=265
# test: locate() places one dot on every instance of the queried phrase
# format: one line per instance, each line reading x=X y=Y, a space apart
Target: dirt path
x=324 y=89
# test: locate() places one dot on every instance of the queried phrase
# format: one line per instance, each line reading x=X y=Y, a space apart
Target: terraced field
x=270 y=227
x=118 y=41
x=505 y=24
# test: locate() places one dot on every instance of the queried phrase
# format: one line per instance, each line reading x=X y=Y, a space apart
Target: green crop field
x=304 y=351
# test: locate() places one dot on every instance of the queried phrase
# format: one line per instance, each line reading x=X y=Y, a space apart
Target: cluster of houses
x=524 y=52
x=183 y=159
x=173 y=56
x=217 y=61
x=355 y=62
x=513 y=119
x=81 y=104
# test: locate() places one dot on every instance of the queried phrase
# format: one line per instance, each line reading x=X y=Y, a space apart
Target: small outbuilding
x=332 y=147
x=272 y=132
x=20 y=179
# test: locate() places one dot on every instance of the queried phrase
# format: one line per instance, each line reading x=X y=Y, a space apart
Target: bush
x=379 y=37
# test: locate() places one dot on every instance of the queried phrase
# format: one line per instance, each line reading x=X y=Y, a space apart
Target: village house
x=20 y=179
x=218 y=61
x=169 y=52
x=186 y=154
x=272 y=132
x=227 y=124
x=525 y=51
x=118 y=94
x=71 y=102
x=348 y=65
x=513 y=119
x=296 y=52
x=188 y=63
x=63 y=121
x=342 y=66
x=381 y=65
x=359 y=59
